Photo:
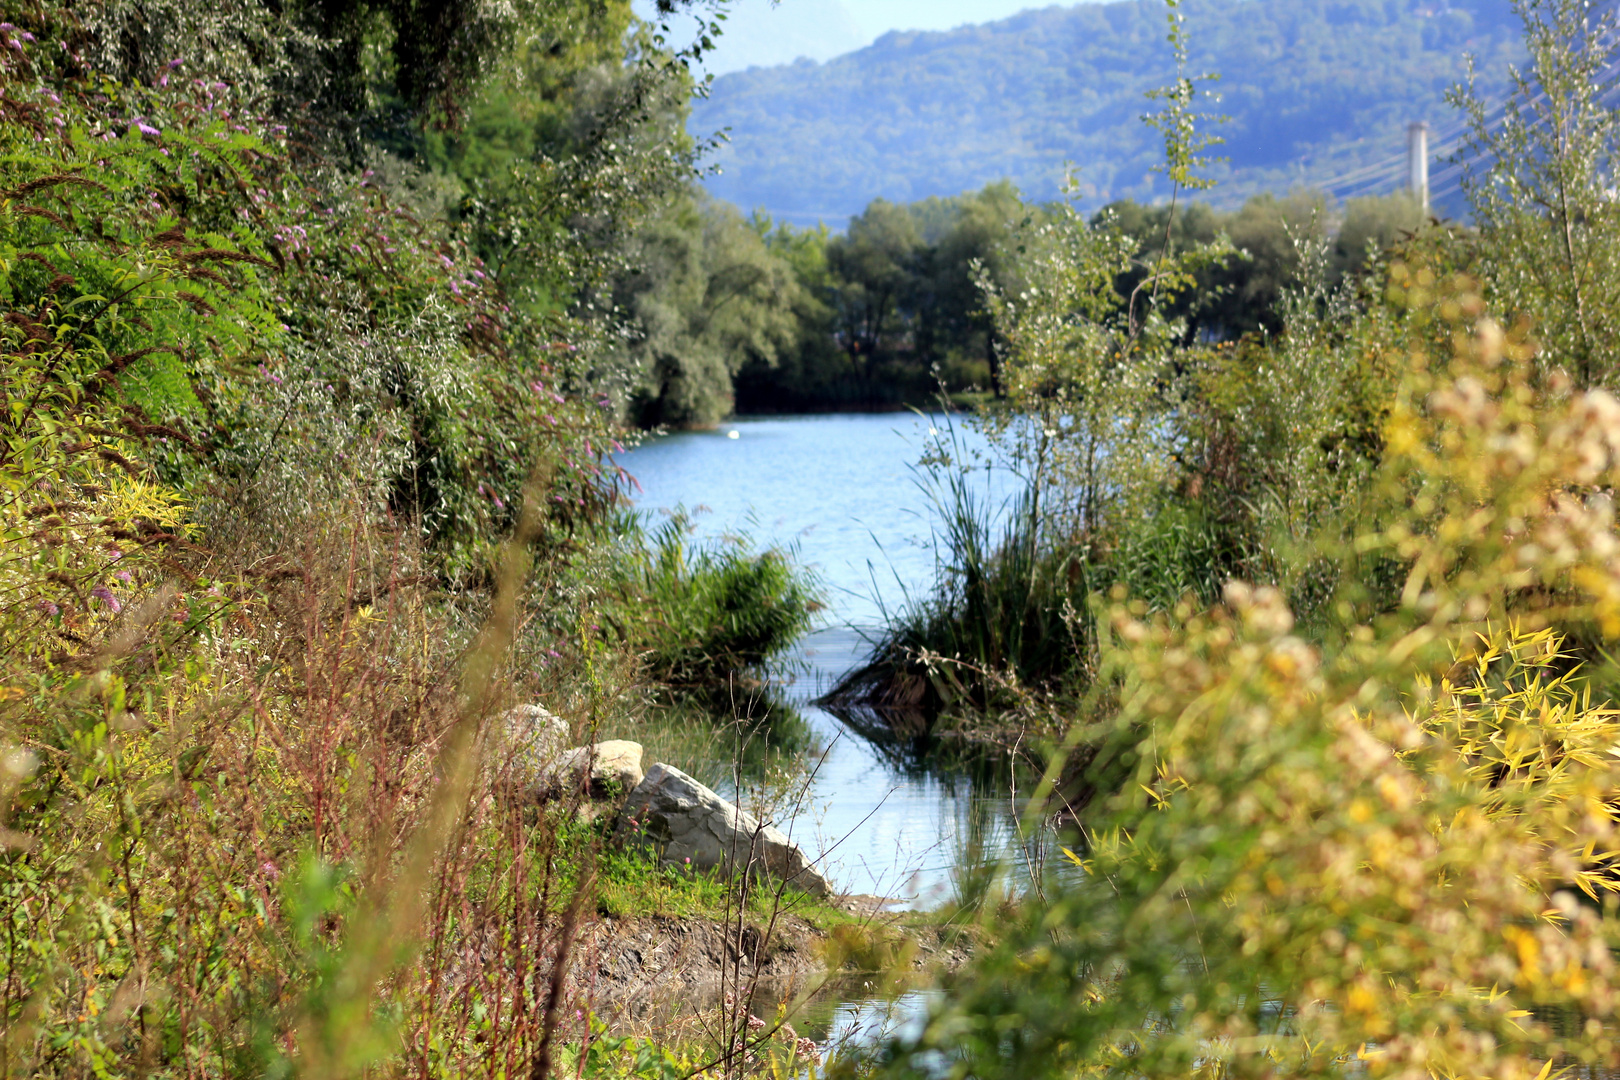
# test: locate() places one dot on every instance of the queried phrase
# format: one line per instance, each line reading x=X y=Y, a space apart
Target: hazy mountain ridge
x=1316 y=90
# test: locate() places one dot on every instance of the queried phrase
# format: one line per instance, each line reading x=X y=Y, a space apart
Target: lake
x=843 y=492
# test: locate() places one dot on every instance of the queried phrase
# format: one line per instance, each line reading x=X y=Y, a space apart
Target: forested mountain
x=1318 y=92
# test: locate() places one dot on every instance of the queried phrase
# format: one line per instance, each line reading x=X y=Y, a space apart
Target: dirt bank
x=653 y=970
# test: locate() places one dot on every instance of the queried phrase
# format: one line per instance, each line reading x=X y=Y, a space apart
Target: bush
x=1389 y=855
x=717 y=616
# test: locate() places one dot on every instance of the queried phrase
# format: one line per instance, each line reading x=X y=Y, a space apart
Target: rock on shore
x=614 y=767
x=689 y=822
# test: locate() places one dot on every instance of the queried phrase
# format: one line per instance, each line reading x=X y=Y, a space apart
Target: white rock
x=531 y=737
x=615 y=768
x=688 y=821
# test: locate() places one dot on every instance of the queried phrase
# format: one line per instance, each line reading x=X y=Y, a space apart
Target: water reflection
x=857 y=1025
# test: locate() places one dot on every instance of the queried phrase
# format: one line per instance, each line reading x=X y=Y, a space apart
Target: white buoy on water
x=733 y=435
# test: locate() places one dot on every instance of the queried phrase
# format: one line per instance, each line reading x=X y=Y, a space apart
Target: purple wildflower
x=49 y=608
x=104 y=594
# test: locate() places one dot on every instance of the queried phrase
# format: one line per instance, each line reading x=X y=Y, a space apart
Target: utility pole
x=1417 y=162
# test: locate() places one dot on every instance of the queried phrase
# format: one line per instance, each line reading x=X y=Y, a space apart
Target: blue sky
x=758 y=33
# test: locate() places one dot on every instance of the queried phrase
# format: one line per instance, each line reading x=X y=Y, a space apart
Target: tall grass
x=715 y=617
x=1013 y=608
x=998 y=607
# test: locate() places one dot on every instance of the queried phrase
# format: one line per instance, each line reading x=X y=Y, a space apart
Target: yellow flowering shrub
x=1387 y=853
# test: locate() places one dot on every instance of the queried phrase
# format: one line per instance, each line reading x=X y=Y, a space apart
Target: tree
x=1541 y=181
x=705 y=294
x=875 y=264
x=954 y=327
x=1373 y=224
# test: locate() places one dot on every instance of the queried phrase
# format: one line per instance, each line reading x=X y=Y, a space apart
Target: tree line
x=728 y=313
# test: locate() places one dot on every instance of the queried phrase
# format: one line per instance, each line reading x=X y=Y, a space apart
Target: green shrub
x=1388 y=855
x=709 y=617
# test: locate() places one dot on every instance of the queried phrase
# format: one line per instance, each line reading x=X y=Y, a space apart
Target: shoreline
x=651 y=974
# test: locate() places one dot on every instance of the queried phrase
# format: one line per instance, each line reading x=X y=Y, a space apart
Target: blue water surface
x=843 y=491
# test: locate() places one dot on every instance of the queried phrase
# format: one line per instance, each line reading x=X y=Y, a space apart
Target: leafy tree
x=536 y=100
x=705 y=294
x=345 y=71
x=1244 y=293
x=954 y=327
x=1372 y=225
x=816 y=373
x=874 y=265
x=1541 y=180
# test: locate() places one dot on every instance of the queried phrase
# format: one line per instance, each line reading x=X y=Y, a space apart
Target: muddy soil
x=641 y=972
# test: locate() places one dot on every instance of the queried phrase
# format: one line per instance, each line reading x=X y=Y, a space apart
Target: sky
x=758 y=33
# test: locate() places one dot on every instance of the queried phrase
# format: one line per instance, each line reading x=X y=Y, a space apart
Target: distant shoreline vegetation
x=760 y=318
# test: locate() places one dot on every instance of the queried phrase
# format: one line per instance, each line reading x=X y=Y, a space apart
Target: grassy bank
x=302 y=487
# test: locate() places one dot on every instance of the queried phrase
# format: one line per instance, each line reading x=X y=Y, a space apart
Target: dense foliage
x=890 y=313
x=1329 y=733
x=305 y=477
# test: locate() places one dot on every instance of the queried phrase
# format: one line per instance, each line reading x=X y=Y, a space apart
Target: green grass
x=1013 y=604
x=1006 y=605
x=632 y=883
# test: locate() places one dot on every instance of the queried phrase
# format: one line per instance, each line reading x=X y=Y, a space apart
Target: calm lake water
x=841 y=490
